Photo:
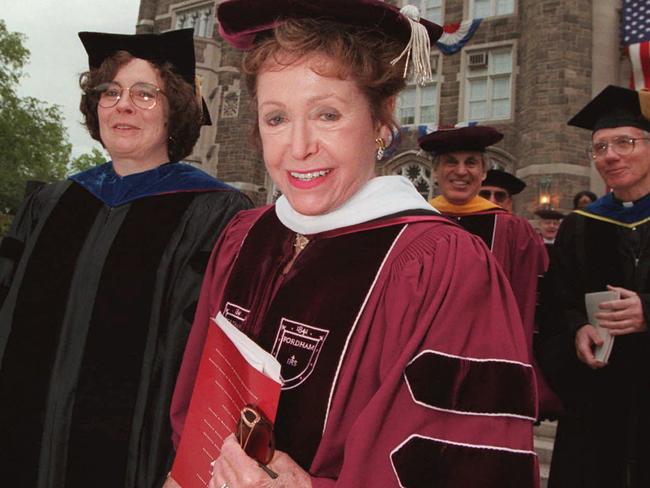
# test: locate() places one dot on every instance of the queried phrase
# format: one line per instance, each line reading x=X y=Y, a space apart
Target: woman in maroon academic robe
x=412 y=366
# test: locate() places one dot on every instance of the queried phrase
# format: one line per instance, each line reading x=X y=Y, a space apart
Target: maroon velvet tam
x=241 y=20
x=473 y=138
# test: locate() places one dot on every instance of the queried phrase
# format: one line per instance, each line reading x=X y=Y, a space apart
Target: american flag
x=635 y=36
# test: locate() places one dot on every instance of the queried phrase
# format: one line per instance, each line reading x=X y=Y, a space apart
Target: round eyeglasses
x=143 y=95
x=620 y=145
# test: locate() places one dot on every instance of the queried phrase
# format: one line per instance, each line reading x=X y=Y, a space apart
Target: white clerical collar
x=381 y=196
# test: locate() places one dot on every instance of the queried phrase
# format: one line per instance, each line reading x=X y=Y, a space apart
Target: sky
x=57 y=56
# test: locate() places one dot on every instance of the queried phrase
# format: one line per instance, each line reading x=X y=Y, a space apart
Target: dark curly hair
x=184 y=115
x=361 y=54
x=585 y=193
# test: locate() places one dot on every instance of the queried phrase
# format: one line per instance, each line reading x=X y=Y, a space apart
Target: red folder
x=227 y=380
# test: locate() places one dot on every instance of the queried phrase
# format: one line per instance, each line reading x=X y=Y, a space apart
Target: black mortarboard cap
x=615 y=106
x=472 y=138
x=175 y=47
x=512 y=184
x=549 y=213
x=241 y=20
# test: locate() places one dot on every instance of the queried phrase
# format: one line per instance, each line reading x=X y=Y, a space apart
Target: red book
x=234 y=372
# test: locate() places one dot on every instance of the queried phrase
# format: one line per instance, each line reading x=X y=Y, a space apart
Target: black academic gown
x=603 y=440
x=97 y=303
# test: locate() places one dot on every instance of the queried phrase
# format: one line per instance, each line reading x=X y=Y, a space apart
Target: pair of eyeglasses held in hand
x=255 y=435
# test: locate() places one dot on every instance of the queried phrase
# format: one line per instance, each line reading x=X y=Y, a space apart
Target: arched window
x=500 y=159
x=415 y=167
x=419 y=175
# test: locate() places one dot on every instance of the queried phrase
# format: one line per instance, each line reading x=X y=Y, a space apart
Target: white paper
x=254 y=354
x=592 y=300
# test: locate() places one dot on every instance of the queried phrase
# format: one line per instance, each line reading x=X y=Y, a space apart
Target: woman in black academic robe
x=99 y=277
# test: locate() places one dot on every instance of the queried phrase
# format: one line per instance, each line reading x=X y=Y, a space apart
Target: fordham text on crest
x=297 y=347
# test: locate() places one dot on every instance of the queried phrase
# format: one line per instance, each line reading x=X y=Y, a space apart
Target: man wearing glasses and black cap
x=460 y=166
x=603 y=440
x=549 y=224
x=499 y=187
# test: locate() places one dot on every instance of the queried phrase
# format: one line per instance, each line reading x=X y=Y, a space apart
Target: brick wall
x=226 y=150
x=553 y=80
x=553 y=40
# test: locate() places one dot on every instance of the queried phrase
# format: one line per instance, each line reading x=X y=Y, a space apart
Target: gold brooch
x=300 y=242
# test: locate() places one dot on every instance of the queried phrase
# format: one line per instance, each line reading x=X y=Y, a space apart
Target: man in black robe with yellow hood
x=603 y=439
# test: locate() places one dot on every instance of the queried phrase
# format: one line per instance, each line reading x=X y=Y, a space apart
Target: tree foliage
x=33 y=139
x=13 y=56
x=5 y=223
x=86 y=161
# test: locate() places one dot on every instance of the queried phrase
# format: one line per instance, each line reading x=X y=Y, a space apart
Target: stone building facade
x=529 y=66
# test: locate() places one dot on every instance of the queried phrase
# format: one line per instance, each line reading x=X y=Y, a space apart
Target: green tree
x=13 y=56
x=33 y=139
x=87 y=160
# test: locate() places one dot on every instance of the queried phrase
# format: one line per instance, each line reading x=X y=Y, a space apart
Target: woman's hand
x=234 y=469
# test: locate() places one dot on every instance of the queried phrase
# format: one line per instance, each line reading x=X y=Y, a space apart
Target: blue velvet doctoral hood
x=115 y=190
x=610 y=209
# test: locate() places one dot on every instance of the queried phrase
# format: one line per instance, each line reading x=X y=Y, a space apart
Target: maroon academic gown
x=521 y=253
x=431 y=385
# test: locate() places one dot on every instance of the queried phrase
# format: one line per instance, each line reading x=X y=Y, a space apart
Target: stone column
x=555 y=82
x=146 y=17
x=606 y=58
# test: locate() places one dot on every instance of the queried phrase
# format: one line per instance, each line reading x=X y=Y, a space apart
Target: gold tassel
x=418 y=49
